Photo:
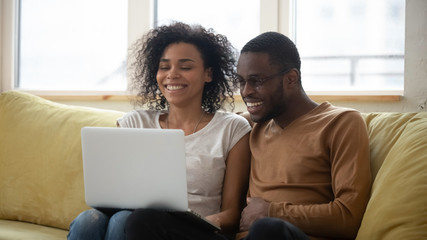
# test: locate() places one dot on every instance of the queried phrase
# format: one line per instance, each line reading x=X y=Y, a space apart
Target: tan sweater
x=315 y=172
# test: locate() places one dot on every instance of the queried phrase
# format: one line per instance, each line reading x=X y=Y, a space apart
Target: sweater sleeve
x=351 y=183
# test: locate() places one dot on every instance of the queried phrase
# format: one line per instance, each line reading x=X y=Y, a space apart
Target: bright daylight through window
x=72 y=45
x=224 y=16
x=351 y=44
x=80 y=45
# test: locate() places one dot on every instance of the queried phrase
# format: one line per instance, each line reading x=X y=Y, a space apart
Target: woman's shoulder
x=145 y=112
x=139 y=118
x=231 y=118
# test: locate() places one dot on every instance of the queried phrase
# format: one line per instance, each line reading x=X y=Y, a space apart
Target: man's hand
x=257 y=208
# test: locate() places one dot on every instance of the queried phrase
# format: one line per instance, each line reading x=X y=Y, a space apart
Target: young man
x=310 y=169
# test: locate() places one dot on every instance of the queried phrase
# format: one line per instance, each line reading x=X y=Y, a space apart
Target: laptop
x=130 y=168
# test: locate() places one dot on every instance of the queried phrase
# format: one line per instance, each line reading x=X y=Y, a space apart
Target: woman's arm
x=235 y=187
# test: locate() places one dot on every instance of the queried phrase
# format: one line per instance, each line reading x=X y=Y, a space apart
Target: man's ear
x=292 y=77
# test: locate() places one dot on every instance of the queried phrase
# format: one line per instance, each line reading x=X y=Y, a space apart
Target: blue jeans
x=93 y=224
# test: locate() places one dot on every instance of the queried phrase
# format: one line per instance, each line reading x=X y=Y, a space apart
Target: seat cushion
x=41 y=176
x=397 y=208
x=15 y=230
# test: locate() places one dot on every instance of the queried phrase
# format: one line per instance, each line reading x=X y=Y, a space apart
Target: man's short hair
x=281 y=49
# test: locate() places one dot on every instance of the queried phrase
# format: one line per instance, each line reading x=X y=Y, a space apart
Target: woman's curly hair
x=216 y=51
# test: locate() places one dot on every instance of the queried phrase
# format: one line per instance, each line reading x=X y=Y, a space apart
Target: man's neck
x=294 y=110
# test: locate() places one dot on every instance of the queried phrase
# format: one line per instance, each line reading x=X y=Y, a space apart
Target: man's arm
x=351 y=184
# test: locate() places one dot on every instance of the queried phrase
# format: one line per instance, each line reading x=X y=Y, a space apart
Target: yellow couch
x=41 y=181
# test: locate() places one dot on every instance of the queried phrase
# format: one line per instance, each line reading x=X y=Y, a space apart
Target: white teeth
x=174 y=87
x=253 y=104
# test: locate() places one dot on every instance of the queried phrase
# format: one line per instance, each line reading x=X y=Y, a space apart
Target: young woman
x=183 y=75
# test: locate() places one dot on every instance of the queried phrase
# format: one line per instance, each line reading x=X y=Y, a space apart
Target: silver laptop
x=129 y=168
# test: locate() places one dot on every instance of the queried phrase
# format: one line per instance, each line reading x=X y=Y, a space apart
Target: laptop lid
x=132 y=168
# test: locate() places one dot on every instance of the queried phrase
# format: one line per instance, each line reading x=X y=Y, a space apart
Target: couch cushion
x=398 y=205
x=15 y=230
x=41 y=178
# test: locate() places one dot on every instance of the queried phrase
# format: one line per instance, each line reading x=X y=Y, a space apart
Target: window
x=72 y=45
x=351 y=44
x=78 y=46
x=224 y=16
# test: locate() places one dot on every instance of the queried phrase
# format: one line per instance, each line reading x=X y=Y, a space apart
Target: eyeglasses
x=255 y=81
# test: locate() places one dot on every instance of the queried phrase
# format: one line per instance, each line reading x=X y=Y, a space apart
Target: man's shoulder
x=337 y=111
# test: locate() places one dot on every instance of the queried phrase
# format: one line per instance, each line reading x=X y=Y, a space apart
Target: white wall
x=415 y=56
x=1 y=44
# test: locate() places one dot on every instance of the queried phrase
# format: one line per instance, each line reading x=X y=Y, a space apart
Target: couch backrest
x=41 y=178
x=397 y=208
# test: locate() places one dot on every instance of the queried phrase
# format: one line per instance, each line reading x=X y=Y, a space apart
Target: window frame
x=275 y=15
x=137 y=24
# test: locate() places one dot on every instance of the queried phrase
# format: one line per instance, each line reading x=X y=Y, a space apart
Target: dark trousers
x=274 y=229
x=156 y=224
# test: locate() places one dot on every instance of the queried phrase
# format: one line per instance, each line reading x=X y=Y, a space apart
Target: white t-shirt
x=206 y=153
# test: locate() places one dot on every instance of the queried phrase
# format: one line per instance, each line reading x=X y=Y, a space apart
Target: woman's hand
x=214 y=219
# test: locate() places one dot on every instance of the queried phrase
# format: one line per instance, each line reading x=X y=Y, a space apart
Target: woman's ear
x=208 y=75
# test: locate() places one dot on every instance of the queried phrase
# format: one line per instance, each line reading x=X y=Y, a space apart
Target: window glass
x=72 y=45
x=237 y=19
x=351 y=44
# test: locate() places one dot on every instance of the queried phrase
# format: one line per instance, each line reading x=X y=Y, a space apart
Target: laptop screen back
x=134 y=168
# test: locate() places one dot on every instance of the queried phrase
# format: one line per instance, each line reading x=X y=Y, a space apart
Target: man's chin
x=261 y=117
x=258 y=118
